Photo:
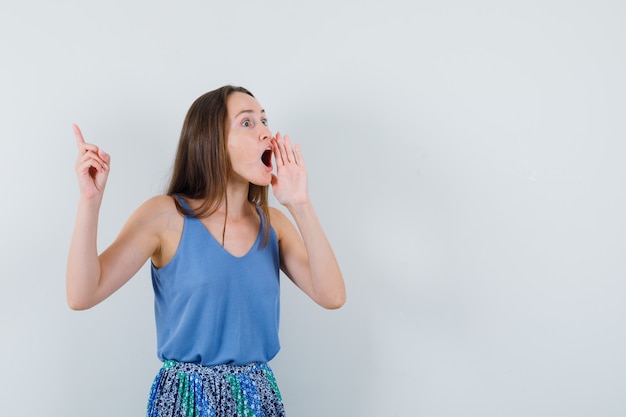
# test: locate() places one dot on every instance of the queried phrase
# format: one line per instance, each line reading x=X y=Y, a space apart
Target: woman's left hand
x=289 y=185
x=306 y=255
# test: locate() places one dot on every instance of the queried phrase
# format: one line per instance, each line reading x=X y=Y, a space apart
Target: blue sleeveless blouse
x=214 y=308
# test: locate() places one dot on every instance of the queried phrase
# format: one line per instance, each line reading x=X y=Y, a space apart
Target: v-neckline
x=254 y=243
x=214 y=239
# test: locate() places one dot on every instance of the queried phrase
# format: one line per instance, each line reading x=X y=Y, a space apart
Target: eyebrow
x=248 y=111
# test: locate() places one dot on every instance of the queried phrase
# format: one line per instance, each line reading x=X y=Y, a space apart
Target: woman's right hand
x=92 y=168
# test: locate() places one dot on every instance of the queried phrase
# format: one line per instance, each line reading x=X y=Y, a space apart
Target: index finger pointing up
x=80 y=141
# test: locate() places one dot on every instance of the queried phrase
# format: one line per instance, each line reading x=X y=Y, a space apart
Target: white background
x=466 y=159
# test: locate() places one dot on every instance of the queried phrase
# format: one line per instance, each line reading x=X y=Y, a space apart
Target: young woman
x=215 y=249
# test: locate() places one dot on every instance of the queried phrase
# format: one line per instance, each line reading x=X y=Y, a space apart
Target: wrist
x=92 y=202
x=300 y=207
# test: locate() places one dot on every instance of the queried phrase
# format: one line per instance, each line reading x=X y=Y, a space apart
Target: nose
x=264 y=133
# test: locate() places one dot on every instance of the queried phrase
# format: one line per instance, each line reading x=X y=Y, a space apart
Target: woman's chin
x=263 y=181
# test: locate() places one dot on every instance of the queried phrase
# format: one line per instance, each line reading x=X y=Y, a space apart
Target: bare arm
x=307 y=257
x=91 y=278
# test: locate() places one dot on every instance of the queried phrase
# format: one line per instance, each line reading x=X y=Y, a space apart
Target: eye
x=245 y=123
x=265 y=122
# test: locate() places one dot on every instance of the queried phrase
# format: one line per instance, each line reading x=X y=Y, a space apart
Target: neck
x=236 y=204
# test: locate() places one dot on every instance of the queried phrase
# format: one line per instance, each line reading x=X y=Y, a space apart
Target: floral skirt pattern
x=191 y=390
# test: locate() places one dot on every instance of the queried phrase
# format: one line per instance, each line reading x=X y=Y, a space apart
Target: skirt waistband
x=221 y=369
x=190 y=389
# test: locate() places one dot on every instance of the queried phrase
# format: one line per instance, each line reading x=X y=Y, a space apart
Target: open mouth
x=267 y=158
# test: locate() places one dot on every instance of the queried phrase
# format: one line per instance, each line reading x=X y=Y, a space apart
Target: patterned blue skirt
x=191 y=390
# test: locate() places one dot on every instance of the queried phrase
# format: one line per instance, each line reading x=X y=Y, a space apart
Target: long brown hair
x=202 y=164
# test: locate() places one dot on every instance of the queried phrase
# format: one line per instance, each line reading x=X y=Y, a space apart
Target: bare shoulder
x=277 y=218
x=281 y=223
x=159 y=218
x=160 y=202
x=158 y=212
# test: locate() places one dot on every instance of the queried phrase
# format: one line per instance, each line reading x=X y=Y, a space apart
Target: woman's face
x=249 y=139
